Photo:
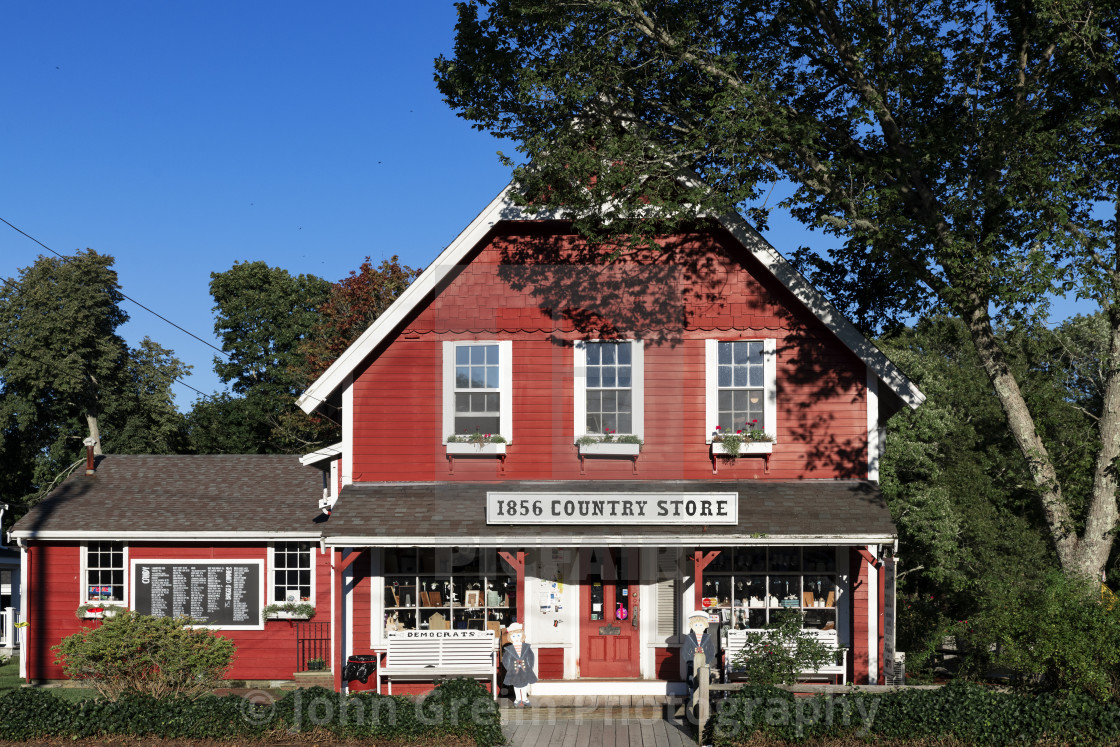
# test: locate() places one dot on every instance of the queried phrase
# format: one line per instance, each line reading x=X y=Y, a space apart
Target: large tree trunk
x=94 y=433
x=1085 y=555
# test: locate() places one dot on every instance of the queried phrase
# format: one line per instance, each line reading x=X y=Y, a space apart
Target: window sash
x=477 y=377
x=740 y=386
x=104 y=575
x=608 y=384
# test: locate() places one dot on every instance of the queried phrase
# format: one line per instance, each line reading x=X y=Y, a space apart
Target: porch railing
x=9 y=637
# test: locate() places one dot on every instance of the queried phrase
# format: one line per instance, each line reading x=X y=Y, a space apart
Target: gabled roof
x=503 y=208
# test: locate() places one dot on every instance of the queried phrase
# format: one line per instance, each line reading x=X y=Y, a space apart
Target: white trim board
x=502 y=208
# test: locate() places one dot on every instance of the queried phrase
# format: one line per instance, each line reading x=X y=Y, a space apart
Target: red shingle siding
x=398 y=396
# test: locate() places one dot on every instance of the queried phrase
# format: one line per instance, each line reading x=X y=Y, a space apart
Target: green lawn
x=10 y=680
x=9 y=674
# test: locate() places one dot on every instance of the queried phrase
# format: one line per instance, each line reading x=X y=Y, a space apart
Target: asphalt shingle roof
x=265 y=494
x=807 y=508
x=183 y=494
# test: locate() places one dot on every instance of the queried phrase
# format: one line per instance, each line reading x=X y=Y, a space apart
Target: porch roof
x=449 y=514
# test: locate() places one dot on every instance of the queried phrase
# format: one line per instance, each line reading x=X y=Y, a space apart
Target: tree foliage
x=65 y=374
x=262 y=315
x=963 y=151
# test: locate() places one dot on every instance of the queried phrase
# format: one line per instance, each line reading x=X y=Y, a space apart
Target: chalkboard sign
x=217 y=593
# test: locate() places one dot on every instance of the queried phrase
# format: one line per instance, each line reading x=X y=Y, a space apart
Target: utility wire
x=65 y=258
x=129 y=298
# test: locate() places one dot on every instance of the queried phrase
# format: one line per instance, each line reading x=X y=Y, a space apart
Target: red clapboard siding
x=860 y=660
x=516 y=287
x=550 y=663
x=261 y=654
x=667 y=663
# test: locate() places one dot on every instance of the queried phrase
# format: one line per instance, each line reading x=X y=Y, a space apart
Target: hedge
x=458 y=707
x=966 y=712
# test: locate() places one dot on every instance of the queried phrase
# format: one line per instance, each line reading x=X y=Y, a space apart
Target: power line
x=123 y=295
x=65 y=258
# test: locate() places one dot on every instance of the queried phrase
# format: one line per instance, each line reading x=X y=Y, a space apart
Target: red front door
x=609 y=614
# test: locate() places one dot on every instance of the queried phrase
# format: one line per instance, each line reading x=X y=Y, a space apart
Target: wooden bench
x=735 y=640
x=422 y=655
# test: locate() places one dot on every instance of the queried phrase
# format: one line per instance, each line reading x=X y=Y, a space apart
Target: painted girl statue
x=520 y=664
x=697 y=649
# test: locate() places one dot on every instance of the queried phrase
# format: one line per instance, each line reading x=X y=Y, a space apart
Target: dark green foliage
x=969 y=713
x=455 y=708
x=785 y=650
x=263 y=314
x=66 y=374
x=134 y=653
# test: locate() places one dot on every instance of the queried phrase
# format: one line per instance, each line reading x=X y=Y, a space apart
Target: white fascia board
x=500 y=208
x=327 y=452
x=804 y=291
x=71 y=534
x=611 y=540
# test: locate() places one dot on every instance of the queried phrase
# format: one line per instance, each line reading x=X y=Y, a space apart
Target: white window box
x=610 y=449
x=469 y=449
x=98 y=613
x=284 y=615
x=745 y=448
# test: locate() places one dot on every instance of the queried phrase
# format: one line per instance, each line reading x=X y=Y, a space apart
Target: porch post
x=516 y=561
x=338 y=565
x=700 y=561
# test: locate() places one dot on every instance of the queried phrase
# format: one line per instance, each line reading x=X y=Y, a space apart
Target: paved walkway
x=595 y=725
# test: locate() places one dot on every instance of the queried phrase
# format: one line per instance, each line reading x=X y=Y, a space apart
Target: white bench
x=736 y=640
x=436 y=654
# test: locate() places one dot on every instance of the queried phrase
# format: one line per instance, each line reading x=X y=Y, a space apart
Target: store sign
x=612 y=508
x=218 y=593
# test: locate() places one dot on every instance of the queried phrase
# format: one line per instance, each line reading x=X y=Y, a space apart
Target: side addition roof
x=185 y=498
x=503 y=208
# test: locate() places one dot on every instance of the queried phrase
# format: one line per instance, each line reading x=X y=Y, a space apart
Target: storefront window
x=446 y=589
x=750 y=586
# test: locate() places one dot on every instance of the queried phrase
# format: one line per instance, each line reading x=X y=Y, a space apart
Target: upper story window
x=477 y=384
x=609 y=391
x=740 y=386
x=104 y=573
x=292 y=577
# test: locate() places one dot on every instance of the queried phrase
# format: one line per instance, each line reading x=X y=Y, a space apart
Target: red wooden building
x=607 y=509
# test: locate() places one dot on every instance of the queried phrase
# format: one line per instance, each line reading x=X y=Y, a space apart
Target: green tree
x=964 y=152
x=65 y=374
x=262 y=314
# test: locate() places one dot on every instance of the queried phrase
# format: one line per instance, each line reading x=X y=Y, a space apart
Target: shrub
x=1051 y=633
x=159 y=656
x=785 y=649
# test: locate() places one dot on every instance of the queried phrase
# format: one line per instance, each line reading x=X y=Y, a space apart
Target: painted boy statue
x=520 y=664
x=698 y=647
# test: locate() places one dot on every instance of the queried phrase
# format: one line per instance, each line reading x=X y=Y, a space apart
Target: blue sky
x=181 y=137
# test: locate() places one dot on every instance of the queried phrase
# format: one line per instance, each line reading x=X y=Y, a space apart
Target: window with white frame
x=105 y=573
x=291 y=572
x=477 y=383
x=740 y=386
x=609 y=392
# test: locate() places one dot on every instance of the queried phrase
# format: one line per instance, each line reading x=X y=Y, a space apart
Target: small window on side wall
x=477 y=380
x=105 y=573
x=292 y=578
x=740 y=378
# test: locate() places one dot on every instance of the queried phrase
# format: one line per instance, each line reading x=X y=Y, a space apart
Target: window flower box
x=476 y=444
x=289 y=611
x=745 y=448
x=613 y=448
x=97 y=611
